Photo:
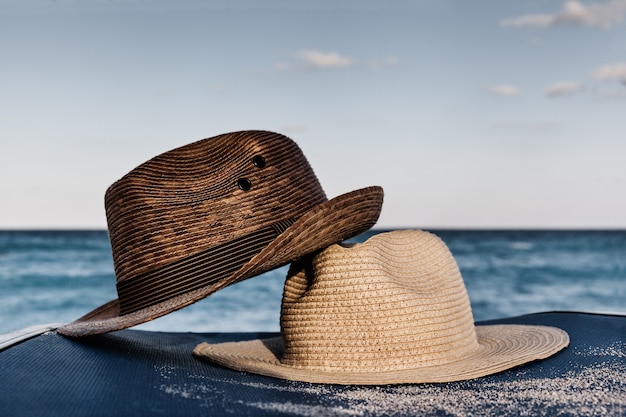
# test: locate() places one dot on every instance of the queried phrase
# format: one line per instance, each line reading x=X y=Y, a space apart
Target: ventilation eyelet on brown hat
x=258 y=161
x=244 y=184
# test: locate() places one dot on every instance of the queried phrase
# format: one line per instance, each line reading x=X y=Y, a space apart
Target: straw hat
x=391 y=310
x=206 y=215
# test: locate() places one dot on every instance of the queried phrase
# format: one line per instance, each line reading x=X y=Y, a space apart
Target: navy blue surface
x=134 y=372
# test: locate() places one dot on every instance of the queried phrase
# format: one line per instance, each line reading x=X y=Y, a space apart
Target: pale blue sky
x=469 y=114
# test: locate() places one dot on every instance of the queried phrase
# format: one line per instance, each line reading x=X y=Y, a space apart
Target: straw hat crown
x=395 y=302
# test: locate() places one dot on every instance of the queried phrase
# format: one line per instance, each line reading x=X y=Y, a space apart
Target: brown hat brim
x=500 y=347
x=329 y=222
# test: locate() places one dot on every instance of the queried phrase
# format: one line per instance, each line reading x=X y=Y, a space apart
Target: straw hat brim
x=501 y=347
x=329 y=222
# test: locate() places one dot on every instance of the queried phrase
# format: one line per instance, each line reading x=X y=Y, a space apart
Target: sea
x=58 y=276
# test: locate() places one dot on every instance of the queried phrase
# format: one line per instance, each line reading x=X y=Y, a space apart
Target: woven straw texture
x=391 y=310
x=206 y=215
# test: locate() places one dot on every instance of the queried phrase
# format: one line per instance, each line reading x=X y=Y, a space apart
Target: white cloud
x=532 y=20
x=315 y=60
x=562 y=88
x=318 y=60
x=611 y=72
x=505 y=90
x=575 y=13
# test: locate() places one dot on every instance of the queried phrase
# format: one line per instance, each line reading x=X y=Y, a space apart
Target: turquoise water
x=57 y=276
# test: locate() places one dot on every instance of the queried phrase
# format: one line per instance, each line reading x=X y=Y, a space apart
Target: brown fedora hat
x=391 y=310
x=217 y=211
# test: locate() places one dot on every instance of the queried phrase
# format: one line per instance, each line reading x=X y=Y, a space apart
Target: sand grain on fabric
x=600 y=390
x=593 y=392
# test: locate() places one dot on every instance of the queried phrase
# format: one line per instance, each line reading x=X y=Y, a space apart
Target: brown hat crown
x=204 y=194
x=217 y=211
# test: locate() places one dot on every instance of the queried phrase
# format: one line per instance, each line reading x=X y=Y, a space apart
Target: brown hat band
x=199 y=270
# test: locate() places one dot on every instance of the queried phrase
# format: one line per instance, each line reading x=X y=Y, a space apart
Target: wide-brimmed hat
x=391 y=310
x=206 y=215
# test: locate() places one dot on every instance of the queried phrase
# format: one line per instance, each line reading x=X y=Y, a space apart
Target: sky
x=482 y=114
